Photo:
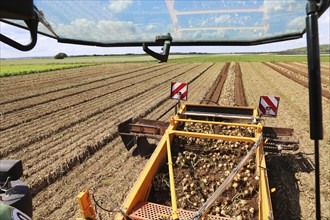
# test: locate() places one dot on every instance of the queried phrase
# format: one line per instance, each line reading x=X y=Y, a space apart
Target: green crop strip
x=11 y=70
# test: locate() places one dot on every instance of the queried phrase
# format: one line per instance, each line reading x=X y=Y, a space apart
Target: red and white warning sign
x=268 y=105
x=179 y=91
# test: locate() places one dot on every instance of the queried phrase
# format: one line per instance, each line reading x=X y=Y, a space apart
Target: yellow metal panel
x=265 y=205
x=140 y=190
x=85 y=205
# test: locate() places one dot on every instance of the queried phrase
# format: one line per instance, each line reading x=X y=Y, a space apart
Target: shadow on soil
x=281 y=174
x=143 y=147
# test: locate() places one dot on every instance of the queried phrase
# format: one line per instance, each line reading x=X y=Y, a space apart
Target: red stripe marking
x=181 y=86
x=184 y=95
x=270 y=103
x=262 y=109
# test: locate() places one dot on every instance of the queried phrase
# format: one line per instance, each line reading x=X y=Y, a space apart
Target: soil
x=63 y=125
x=295 y=188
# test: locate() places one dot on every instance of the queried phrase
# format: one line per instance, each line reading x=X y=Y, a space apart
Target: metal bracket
x=32 y=25
x=166 y=40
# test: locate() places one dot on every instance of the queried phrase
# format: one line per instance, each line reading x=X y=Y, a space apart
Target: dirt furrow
x=295 y=78
x=58 y=122
x=293 y=113
x=60 y=77
x=325 y=70
x=301 y=72
x=50 y=89
x=214 y=93
x=96 y=83
x=62 y=161
x=113 y=114
x=69 y=101
x=56 y=169
x=227 y=92
x=102 y=126
x=240 y=98
x=111 y=171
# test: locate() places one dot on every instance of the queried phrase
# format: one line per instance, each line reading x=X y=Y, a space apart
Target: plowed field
x=63 y=125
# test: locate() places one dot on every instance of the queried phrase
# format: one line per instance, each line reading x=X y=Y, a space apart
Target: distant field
x=11 y=67
x=89 y=59
x=249 y=58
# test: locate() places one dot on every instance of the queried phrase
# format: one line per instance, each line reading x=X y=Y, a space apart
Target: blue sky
x=49 y=47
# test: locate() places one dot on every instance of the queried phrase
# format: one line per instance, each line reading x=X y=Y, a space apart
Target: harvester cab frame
x=35 y=16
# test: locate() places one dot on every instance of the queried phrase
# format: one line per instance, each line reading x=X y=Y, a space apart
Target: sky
x=49 y=47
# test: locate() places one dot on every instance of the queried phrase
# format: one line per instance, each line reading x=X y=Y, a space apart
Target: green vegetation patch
x=11 y=70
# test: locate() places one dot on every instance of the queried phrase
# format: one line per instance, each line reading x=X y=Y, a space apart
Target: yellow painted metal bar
x=255 y=112
x=265 y=204
x=85 y=205
x=171 y=177
x=217 y=123
x=217 y=106
x=140 y=190
x=213 y=136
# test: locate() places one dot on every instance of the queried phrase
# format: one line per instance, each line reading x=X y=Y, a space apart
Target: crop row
x=101 y=127
x=43 y=127
x=60 y=76
x=111 y=171
x=61 y=83
x=325 y=67
x=298 y=78
x=303 y=72
x=112 y=112
x=83 y=95
x=227 y=94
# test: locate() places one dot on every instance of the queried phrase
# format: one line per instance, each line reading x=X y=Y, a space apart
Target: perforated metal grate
x=152 y=211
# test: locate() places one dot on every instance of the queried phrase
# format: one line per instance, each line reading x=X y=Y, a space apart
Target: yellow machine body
x=230 y=115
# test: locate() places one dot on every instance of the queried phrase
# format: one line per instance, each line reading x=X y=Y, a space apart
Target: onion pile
x=202 y=165
x=218 y=129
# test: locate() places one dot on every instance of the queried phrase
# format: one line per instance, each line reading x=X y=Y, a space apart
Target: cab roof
x=130 y=23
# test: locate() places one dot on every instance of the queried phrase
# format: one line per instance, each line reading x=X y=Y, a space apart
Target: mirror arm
x=32 y=25
x=166 y=41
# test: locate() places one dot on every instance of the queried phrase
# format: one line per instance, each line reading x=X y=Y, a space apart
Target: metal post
x=315 y=97
x=175 y=214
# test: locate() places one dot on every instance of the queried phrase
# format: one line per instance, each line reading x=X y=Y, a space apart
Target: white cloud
x=151 y=27
x=105 y=31
x=283 y=6
x=17 y=34
x=324 y=28
x=296 y=23
x=119 y=5
x=222 y=19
